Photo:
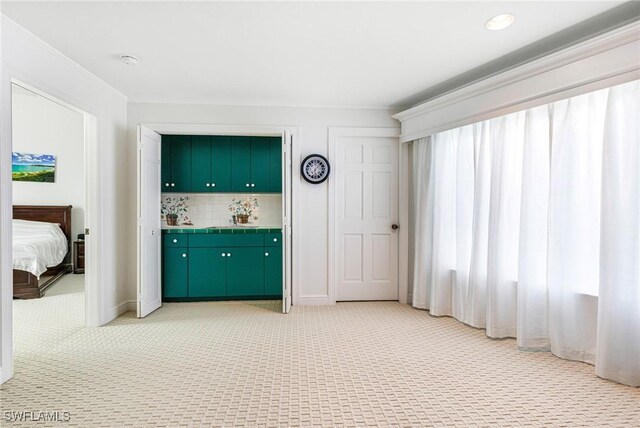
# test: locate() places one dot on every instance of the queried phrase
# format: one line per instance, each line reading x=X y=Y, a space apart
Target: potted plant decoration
x=173 y=208
x=242 y=208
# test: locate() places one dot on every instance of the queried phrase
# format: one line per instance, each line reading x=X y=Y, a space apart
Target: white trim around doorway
x=253 y=130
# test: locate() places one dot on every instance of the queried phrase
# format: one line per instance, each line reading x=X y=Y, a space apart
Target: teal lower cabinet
x=207 y=272
x=222 y=266
x=245 y=272
x=175 y=272
x=273 y=271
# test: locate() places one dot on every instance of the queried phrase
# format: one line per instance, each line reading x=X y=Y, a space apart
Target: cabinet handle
x=253 y=185
x=213 y=184
x=224 y=255
x=247 y=184
x=207 y=184
x=166 y=184
x=184 y=255
x=228 y=254
x=173 y=184
x=266 y=254
x=275 y=239
x=175 y=241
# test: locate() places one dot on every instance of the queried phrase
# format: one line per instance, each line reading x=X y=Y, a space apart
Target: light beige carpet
x=245 y=364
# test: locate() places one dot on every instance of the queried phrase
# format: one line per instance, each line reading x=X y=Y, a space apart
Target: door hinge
x=86 y=231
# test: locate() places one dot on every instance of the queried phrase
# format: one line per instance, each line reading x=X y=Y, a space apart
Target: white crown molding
x=505 y=90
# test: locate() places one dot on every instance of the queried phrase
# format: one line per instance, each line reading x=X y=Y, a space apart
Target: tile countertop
x=233 y=230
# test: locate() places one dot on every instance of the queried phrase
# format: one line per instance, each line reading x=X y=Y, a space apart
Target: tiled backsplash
x=207 y=210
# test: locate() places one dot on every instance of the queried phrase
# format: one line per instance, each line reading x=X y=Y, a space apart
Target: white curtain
x=528 y=225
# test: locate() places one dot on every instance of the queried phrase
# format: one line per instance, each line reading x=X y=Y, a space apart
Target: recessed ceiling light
x=129 y=59
x=500 y=22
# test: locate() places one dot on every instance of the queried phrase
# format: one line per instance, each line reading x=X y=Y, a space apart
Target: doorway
x=150 y=140
x=26 y=95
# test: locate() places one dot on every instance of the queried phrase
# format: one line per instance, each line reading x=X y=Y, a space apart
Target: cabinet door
x=220 y=164
x=260 y=164
x=200 y=163
x=165 y=163
x=275 y=163
x=273 y=271
x=240 y=164
x=180 y=163
x=245 y=271
x=175 y=272
x=207 y=272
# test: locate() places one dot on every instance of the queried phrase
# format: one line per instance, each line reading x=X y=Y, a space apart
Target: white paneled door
x=365 y=213
x=149 y=250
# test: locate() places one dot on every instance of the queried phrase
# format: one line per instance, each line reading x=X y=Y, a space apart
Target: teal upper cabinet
x=200 y=163
x=251 y=165
x=176 y=163
x=260 y=164
x=221 y=164
x=275 y=162
x=210 y=164
x=241 y=164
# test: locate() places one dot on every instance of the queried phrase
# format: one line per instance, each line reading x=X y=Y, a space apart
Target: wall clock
x=315 y=169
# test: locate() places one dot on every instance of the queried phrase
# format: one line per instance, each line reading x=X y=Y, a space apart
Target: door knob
x=207 y=184
x=266 y=254
x=213 y=184
x=394 y=226
x=253 y=185
x=184 y=255
x=175 y=241
x=228 y=254
x=224 y=255
x=247 y=184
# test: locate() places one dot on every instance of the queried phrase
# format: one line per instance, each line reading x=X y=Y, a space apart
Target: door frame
x=91 y=217
x=254 y=131
x=334 y=134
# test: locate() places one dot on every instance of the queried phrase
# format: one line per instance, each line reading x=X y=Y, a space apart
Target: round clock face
x=315 y=169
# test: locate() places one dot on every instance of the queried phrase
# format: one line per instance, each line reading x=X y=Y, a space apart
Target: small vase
x=172 y=220
x=243 y=218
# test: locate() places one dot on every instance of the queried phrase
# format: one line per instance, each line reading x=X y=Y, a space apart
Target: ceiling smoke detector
x=500 y=22
x=129 y=59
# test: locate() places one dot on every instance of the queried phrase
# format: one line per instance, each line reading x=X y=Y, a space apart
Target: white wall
x=312 y=204
x=43 y=126
x=32 y=61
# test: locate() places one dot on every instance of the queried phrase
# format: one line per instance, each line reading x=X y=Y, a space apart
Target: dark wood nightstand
x=78 y=256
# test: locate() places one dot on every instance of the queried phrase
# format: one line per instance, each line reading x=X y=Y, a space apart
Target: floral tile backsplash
x=207 y=210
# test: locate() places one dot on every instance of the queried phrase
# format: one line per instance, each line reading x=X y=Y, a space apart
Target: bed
x=38 y=246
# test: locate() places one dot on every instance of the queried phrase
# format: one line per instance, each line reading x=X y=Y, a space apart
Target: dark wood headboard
x=48 y=213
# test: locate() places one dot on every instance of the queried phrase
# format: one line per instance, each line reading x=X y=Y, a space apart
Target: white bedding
x=37 y=246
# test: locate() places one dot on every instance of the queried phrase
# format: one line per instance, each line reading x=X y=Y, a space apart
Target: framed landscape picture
x=33 y=167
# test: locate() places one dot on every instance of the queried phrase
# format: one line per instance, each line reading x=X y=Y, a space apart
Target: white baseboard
x=314 y=300
x=126 y=306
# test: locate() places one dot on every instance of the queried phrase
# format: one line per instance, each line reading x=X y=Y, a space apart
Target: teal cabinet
x=176 y=163
x=245 y=272
x=275 y=164
x=241 y=164
x=200 y=163
x=175 y=277
x=273 y=271
x=218 y=266
x=220 y=164
x=252 y=167
x=210 y=164
x=207 y=272
x=260 y=164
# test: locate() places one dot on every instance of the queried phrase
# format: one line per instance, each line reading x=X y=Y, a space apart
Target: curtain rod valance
x=606 y=60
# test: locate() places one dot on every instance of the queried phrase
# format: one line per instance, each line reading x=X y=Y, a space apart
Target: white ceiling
x=294 y=54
